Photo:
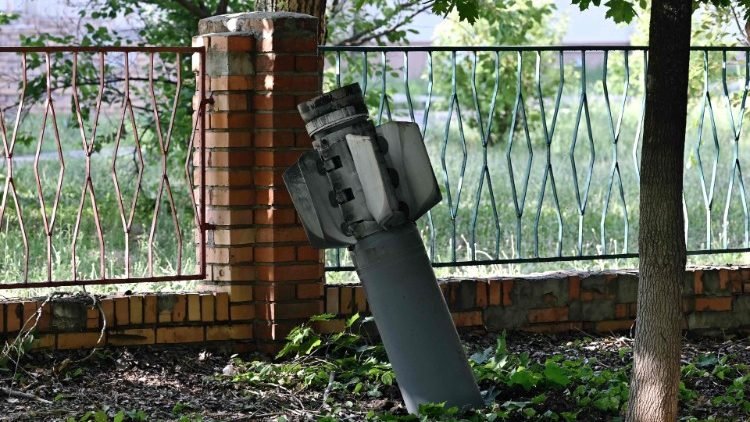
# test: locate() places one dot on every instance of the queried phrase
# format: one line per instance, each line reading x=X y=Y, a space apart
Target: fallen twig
x=21 y=395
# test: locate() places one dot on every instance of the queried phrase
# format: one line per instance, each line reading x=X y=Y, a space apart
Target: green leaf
x=556 y=374
x=524 y=378
x=621 y=11
x=352 y=319
x=120 y=416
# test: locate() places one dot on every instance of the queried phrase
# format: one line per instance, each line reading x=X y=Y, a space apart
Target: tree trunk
x=315 y=8
x=655 y=380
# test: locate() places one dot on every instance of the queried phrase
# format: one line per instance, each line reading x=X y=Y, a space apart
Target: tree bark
x=655 y=379
x=315 y=8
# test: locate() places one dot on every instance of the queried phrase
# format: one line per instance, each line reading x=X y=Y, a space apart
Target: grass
x=477 y=226
x=471 y=224
x=88 y=255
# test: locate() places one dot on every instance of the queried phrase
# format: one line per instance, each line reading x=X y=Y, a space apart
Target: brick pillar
x=259 y=66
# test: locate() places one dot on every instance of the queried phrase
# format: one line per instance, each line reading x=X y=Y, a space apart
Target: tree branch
x=363 y=37
x=743 y=31
x=192 y=8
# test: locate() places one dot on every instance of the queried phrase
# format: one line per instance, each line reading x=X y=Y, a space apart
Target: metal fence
x=537 y=148
x=97 y=167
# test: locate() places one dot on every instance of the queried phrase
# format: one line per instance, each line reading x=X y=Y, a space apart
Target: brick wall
x=259 y=66
x=715 y=300
x=76 y=322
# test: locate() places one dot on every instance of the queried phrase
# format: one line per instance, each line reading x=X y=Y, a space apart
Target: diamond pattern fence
x=537 y=149
x=97 y=166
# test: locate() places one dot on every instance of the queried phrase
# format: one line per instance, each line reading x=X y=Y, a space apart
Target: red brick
x=330 y=326
x=574 y=287
x=723 y=278
x=133 y=336
x=218 y=333
x=221 y=306
x=92 y=318
x=280 y=159
x=496 y=293
x=746 y=286
x=281 y=234
x=179 y=334
x=468 y=319
x=269 y=178
x=220 y=159
x=179 y=310
x=308 y=64
x=273 y=197
x=308 y=253
x=149 y=309
x=229 y=255
x=277 y=216
x=230 y=120
x=633 y=310
x=232 y=273
x=266 y=102
x=275 y=254
x=14 y=314
x=482 y=294
x=270 y=62
x=78 y=340
x=698 y=282
x=136 y=309
x=218 y=196
x=276 y=138
x=122 y=311
x=297 y=44
x=231 y=83
x=279 y=119
x=347 y=300
x=621 y=310
x=713 y=304
x=108 y=312
x=548 y=314
x=234 y=43
x=44 y=341
x=289 y=273
x=288 y=82
x=230 y=102
x=207 y=307
x=225 y=178
x=228 y=217
x=299 y=310
x=236 y=138
x=360 y=300
x=310 y=290
x=507 y=288
x=275 y=292
x=193 y=307
x=241 y=312
x=332 y=300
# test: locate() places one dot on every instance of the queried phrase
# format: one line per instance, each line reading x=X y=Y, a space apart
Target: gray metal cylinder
x=414 y=321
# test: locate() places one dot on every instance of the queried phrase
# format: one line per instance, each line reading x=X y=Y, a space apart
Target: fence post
x=259 y=66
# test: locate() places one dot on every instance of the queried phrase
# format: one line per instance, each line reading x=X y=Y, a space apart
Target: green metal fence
x=537 y=148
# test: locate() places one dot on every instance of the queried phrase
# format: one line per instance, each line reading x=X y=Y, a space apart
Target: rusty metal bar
x=134 y=102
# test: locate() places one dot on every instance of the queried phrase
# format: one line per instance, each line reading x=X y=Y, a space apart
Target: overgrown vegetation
x=525 y=385
x=346 y=376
